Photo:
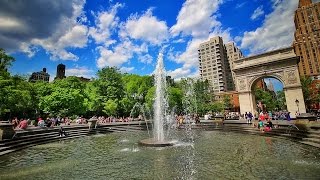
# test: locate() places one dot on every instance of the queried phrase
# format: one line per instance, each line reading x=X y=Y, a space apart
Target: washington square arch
x=281 y=64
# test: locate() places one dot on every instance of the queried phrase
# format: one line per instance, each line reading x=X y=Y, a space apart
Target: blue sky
x=89 y=35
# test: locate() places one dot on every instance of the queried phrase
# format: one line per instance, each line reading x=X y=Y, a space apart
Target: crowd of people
x=57 y=121
x=23 y=123
x=112 y=119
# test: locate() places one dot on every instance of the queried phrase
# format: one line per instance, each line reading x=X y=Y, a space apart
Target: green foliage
x=311 y=91
x=136 y=88
x=227 y=102
x=112 y=94
x=175 y=99
x=5 y=62
x=196 y=95
x=281 y=100
x=273 y=102
x=266 y=98
x=111 y=107
x=150 y=97
x=15 y=95
x=216 y=107
x=110 y=84
x=92 y=100
x=306 y=90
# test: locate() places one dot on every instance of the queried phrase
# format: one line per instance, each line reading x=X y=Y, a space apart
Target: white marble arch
x=281 y=64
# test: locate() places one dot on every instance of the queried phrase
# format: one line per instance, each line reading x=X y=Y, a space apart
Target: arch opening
x=268 y=96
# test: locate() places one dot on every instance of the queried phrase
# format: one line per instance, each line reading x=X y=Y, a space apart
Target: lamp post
x=297 y=103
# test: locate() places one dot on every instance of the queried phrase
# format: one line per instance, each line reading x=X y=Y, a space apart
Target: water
x=139 y=108
x=211 y=155
x=160 y=103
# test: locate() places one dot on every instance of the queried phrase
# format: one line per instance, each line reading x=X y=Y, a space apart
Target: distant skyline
x=89 y=35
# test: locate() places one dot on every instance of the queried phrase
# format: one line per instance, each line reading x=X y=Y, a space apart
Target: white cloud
x=276 y=31
x=196 y=18
x=105 y=22
x=181 y=40
x=120 y=54
x=257 y=13
x=145 y=27
x=76 y=37
x=68 y=33
x=183 y=72
x=147 y=59
x=80 y=72
x=240 y=5
x=126 y=69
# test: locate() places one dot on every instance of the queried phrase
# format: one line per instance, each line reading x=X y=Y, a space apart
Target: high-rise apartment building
x=40 y=76
x=214 y=65
x=233 y=53
x=307 y=38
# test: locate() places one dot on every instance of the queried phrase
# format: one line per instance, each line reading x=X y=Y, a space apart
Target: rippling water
x=209 y=155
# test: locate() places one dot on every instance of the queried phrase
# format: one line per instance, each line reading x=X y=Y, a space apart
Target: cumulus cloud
x=80 y=72
x=147 y=59
x=126 y=69
x=43 y=23
x=120 y=54
x=276 y=31
x=145 y=27
x=105 y=21
x=196 y=18
x=183 y=72
x=257 y=13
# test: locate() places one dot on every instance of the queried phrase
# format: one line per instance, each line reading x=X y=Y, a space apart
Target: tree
x=111 y=107
x=306 y=82
x=63 y=102
x=110 y=88
x=227 y=102
x=150 y=97
x=5 y=62
x=15 y=96
x=266 y=98
x=281 y=100
x=110 y=84
x=63 y=97
x=136 y=88
x=196 y=95
x=216 y=107
x=92 y=100
x=175 y=99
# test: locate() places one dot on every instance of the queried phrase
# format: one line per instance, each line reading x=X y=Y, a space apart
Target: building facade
x=233 y=54
x=61 y=71
x=214 y=65
x=234 y=99
x=307 y=38
x=40 y=76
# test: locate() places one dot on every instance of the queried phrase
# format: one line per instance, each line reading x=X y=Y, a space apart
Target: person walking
x=250 y=116
x=288 y=116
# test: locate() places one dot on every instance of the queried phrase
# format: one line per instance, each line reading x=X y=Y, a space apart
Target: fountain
x=160 y=106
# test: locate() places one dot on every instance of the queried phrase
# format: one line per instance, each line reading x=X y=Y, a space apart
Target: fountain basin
x=151 y=142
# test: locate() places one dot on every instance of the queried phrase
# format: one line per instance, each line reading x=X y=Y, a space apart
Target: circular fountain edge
x=154 y=143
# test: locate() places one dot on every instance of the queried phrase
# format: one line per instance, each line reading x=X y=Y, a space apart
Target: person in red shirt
x=23 y=124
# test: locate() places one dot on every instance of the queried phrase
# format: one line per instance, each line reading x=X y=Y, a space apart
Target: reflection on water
x=210 y=155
